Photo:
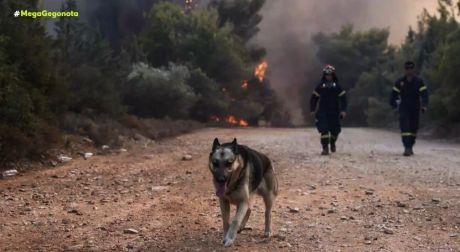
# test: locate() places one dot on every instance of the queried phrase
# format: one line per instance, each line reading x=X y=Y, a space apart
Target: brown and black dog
x=239 y=172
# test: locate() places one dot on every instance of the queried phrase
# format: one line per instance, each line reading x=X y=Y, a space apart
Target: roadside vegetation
x=86 y=76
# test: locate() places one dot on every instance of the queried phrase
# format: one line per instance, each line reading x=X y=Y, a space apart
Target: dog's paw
x=228 y=242
x=267 y=234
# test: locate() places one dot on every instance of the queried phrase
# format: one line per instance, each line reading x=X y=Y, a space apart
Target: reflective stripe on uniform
x=396 y=89
x=316 y=93
x=342 y=93
x=325 y=136
x=422 y=89
x=408 y=134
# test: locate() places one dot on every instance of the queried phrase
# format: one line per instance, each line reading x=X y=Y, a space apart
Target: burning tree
x=256 y=100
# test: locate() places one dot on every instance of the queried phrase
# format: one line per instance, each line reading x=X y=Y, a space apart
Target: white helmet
x=329 y=69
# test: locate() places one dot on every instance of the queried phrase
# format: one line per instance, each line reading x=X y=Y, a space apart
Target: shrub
x=154 y=92
x=210 y=100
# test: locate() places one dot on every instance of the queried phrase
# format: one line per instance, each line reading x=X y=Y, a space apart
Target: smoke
x=288 y=25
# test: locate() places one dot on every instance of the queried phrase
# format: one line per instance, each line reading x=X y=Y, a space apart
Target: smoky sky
x=288 y=25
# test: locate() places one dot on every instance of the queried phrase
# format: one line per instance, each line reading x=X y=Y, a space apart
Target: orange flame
x=231 y=119
x=243 y=123
x=234 y=121
x=260 y=70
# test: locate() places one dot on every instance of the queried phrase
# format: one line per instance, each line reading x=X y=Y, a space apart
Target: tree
x=352 y=52
x=118 y=21
x=243 y=15
x=446 y=98
x=193 y=39
x=435 y=48
x=88 y=66
x=199 y=41
x=29 y=90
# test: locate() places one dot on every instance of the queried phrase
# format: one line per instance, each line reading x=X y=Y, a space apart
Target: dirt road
x=367 y=197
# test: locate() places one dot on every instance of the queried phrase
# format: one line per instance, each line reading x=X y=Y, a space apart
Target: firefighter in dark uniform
x=411 y=95
x=332 y=101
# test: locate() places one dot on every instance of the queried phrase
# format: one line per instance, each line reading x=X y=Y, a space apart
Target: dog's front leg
x=242 y=208
x=225 y=212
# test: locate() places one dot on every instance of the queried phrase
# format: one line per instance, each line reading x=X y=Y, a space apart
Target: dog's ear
x=235 y=146
x=215 y=144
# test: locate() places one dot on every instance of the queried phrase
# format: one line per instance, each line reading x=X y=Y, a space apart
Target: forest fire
x=259 y=72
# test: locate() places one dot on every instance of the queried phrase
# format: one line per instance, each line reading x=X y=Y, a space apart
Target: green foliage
x=154 y=92
x=436 y=47
x=352 y=52
x=211 y=101
x=86 y=63
x=447 y=75
x=91 y=91
x=29 y=90
x=369 y=99
x=89 y=68
x=194 y=39
x=201 y=40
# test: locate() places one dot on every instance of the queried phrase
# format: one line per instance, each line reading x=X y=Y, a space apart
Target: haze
x=287 y=27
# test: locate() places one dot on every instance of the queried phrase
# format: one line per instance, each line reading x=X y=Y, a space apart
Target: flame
x=245 y=84
x=234 y=121
x=243 y=123
x=231 y=119
x=260 y=70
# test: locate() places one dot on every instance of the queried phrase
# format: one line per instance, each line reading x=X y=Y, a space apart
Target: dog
x=240 y=172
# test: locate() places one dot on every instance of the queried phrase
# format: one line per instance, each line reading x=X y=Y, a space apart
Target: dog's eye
x=215 y=163
x=228 y=163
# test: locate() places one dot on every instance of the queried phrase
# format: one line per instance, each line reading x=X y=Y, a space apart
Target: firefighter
x=328 y=104
x=411 y=95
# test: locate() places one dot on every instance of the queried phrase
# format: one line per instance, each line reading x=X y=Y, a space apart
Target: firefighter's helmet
x=329 y=69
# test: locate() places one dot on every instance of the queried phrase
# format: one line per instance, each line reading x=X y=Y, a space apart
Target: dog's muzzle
x=220 y=179
x=221 y=186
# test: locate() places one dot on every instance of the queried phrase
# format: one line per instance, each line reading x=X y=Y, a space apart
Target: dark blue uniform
x=332 y=100
x=412 y=96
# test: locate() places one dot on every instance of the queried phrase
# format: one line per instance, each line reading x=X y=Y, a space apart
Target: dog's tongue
x=220 y=191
